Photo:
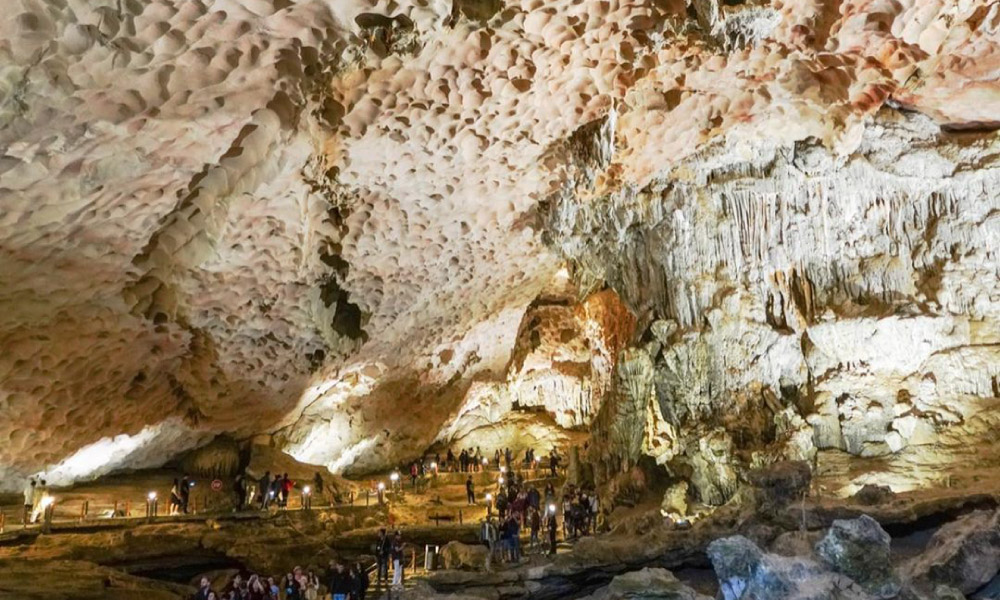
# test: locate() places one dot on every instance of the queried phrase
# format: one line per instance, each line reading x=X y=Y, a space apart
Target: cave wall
x=798 y=301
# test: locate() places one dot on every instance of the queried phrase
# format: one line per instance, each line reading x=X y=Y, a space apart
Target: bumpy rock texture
x=336 y=222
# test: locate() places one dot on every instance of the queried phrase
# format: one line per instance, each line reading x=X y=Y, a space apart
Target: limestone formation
x=340 y=224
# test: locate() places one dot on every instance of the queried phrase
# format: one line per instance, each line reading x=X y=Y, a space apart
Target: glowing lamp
x=552 y=508
x=489 y=497
x=394 y=477
x=306 y=490
x=47 y=501
x=486 y=462
x=151 y=496
x=381 y=486
x=434 y=465
x=501 y=481
x=503 y=469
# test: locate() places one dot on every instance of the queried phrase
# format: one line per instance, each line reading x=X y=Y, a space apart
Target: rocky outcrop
x=859 y=549
x=745 y=571
x=647 y=584
x=963 y=554
x=459 y=556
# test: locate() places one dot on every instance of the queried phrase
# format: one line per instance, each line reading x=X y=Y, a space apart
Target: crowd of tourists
x=341 y=581
x=520 y=507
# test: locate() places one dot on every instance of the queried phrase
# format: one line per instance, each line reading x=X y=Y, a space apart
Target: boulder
x=859 y=548
x=795 y=543
x=871 y=494
x=647 y=584
x=459 y=556
x=745 y=572
x=963 y=554
x=780 y=484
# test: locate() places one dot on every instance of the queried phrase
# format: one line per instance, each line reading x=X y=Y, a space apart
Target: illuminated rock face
x=319 y=219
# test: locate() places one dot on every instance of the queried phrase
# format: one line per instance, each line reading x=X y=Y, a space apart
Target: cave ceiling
x=338 y=222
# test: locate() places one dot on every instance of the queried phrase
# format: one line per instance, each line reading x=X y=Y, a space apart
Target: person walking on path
x=397 y=561
x=186 y=484
x=29 y=500
x=264 y=485
x=470 y=490
x=383 y=548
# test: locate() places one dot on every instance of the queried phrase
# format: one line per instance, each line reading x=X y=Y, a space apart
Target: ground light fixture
x=501 y=480
x=552 y=508
x=48 y=501
x=381 y=486
x=151 y=496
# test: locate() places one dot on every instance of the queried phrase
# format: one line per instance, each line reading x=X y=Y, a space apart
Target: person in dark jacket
x=383 y=547
x=470 y=490
x=359 y=578
x=264 y=485
x=339 y=583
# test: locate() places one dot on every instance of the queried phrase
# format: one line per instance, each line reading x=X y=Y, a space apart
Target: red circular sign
x=217 y=485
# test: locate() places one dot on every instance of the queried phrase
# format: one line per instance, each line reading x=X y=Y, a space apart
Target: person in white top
x=38 y=501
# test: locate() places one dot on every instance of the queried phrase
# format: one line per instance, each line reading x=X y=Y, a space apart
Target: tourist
x=265 y=490
x=383 y=548
x=204 y=589
x=496 y=459
x=488 y=536
x=256 y=588
x=339 y=583
x=535 y=523
x=291 y=587
x=185 y=491
x=463 y=460
x=39 y=502
x=515 y=539
x=29 y=500
x=318 y=483
x=470 y=491
x=553 y=462
x=507 y=455
x=451 y=460
x=286 y=489
x=552 y=529
x=175 y=498
x=240 y=487
x=273 y=591
x=501 y=504
x=397 y=560
x=359 y=582
x=567 y=507
x=504 y=534
x=414 y=474
x=595 y=509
